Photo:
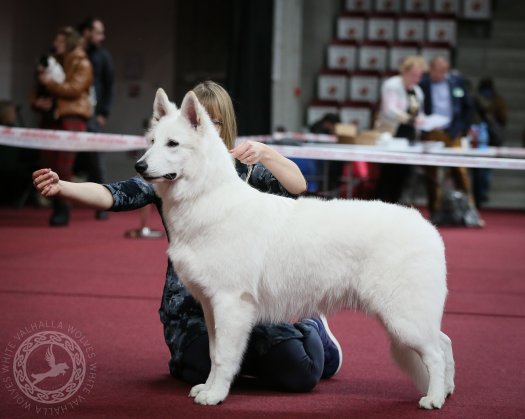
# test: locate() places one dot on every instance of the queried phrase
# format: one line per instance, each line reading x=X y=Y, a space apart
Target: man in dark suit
x=446 y=94
x=93 y=34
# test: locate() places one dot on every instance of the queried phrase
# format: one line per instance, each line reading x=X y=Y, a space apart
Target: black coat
x=103 y=79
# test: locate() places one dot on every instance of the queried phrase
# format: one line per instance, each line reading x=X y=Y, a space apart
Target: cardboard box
x=367 y=137
x=346 y=133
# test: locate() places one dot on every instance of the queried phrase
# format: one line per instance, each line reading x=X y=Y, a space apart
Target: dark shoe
x=59 y=217
x=101 y=215
x=333 y=355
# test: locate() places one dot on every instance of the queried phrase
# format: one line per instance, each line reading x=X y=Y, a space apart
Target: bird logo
x=54 y=369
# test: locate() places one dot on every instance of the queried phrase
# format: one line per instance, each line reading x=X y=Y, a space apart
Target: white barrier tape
x=85 y=141
x=366 y=153
x=296 y=136
x=45 y=139
x=305 y=136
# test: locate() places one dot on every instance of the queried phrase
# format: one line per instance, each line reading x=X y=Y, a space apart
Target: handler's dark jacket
x=180 y=314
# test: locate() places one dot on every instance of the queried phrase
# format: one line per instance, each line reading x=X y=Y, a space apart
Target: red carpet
x=90 y=277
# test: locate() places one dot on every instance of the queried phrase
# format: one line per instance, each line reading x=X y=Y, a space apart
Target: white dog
x=251 y=257
x=54 y=70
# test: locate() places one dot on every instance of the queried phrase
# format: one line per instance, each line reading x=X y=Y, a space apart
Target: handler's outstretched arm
x=48 y=184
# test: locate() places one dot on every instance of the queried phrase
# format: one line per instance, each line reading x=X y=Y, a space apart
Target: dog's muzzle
x=141 y=167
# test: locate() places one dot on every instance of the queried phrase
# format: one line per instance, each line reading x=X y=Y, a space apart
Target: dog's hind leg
x=434 y=359
x=410 y=362
x=234 y=316
x=446 y=347
x=424 y=339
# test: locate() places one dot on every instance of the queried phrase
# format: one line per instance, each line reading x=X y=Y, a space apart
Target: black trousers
x=293 y=365
x=90 y=162
x=392 y=177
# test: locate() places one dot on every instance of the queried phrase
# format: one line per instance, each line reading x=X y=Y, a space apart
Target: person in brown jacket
x=72 y=106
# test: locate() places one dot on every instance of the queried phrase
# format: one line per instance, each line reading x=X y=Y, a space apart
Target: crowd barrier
x=45 y=139
x=313 y=146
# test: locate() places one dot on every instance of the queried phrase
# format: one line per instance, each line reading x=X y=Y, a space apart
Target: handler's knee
x=294 y=365
x=300 y=381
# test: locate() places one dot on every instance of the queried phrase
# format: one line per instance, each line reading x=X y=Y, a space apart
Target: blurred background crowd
x=294 y=65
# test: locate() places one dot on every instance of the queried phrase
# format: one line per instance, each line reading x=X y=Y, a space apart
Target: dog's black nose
x=141 y=166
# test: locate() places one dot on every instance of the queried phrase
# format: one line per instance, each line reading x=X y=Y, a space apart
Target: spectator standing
x=490 y=108
x=92 y=31
x=72 y=108
x=446 y=94
x=401 y=110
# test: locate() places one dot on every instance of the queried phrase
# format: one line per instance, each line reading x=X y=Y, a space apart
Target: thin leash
x=250 y=168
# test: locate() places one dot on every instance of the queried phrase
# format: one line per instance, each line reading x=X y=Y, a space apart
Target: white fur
x=54 y=70
x=251 y=257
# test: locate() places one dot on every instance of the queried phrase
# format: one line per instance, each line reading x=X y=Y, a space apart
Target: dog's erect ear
x=162 y=105
x=192 y=109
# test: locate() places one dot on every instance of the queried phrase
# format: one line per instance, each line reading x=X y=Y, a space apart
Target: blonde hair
x=71 y=37
x=413 y=61
x=219 y=106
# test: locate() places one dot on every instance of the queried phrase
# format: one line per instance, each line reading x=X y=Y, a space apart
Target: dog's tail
x=410 y=362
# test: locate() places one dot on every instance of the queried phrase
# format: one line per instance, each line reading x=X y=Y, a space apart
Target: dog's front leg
x=234 y=317
x=210 y=327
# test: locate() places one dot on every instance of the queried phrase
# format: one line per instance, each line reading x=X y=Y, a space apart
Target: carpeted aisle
x=89 y=282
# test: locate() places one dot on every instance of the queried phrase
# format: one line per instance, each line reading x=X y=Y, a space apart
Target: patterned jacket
x=180 y=314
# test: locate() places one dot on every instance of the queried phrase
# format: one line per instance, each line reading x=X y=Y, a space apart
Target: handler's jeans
x=292 y=365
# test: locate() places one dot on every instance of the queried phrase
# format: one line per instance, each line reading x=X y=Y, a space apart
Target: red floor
x=108 y=287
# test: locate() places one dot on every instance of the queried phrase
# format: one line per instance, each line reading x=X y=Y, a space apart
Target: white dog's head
x=183 y=144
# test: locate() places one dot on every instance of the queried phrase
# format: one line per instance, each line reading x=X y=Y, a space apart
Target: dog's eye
x=152 y=140
x=172 y=143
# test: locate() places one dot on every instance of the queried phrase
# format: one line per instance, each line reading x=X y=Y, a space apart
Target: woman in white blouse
x=401 y=111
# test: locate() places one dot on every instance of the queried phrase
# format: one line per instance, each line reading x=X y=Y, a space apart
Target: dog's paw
x=195 y=390
x=210 y=397
x=449 y=389
x=429 y=402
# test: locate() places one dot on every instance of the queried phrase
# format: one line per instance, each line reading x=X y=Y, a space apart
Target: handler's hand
x=249 y=152
x=46 y=182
